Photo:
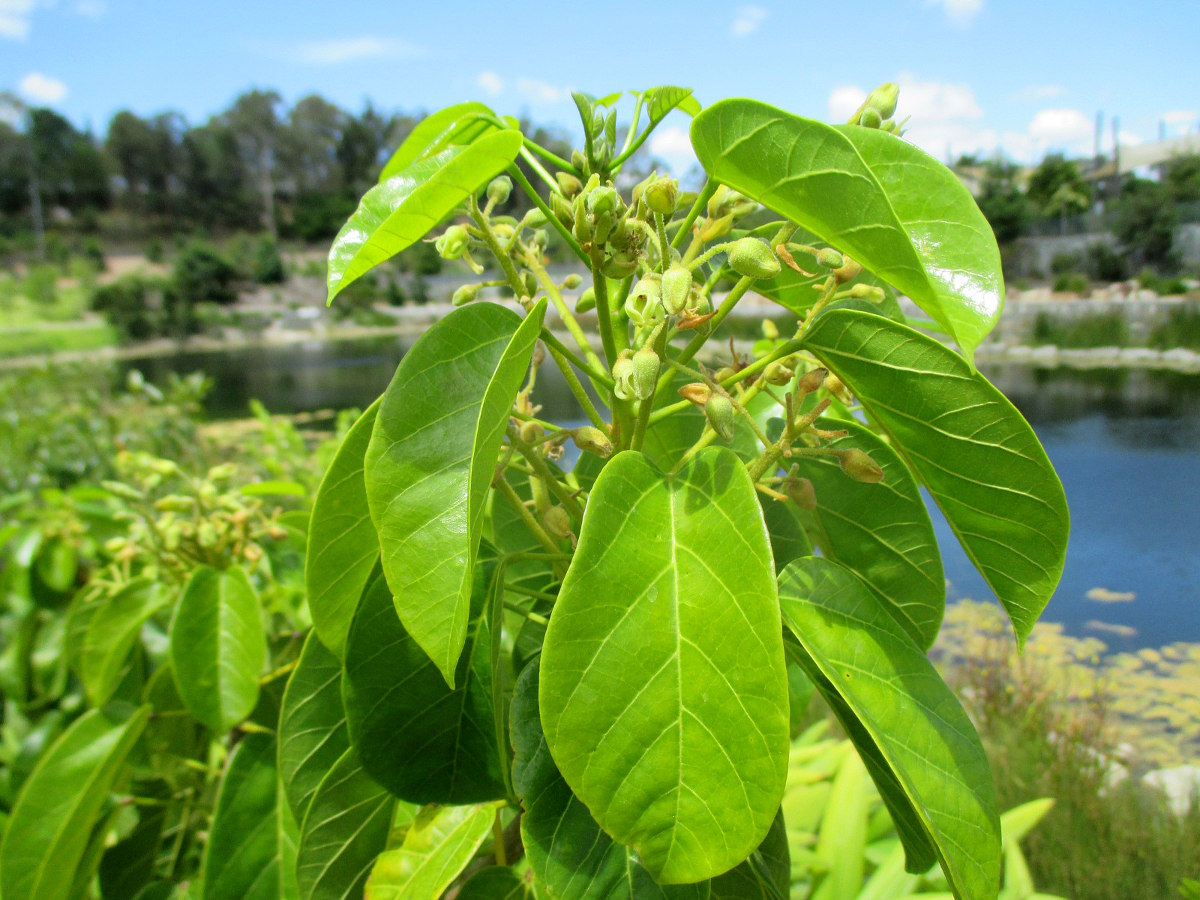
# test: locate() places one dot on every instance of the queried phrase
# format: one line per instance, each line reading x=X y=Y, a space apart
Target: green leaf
x=218 y=647
x=424 y=742
x=765 y=875
x=458 y=124
x=248 y=843
x=111 y=633
x=664 y=693
x=896 y=702
x=128 y=866
x=439 y=844
x=51 y=822
x=431 y=461
x=979 y=458
x=399 y=212
x=312 y=724
x=276 y=488
x=496 y=883
x=342 y=544
x=345 y=829
x=567 y=850
x=661 y=100
x=842 y=839
x=880 y=531
x=788 y=538
x=875 y=198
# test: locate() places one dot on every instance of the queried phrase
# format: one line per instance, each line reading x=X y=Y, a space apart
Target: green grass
x=58 y=339
x=1097 y=330
x=1181 y=329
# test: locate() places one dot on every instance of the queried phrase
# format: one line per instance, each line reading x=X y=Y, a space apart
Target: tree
x=1002 y=201
x=1057 y=188
x=1181 y=176
x=1145 y=224
x=256 y=122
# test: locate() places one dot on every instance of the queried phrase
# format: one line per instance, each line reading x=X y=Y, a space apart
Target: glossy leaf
x=568 y=852
x=431 y=460
x=919 y=731
x=415 y=736
x=457 y=124
x=218 y=647
x=496 y=883
x=342 y=544
x=852 y=192
x=439 y=844
x=786 y=531
x=979 y=458
x=111 y=632
x=880 y=531
x=345 y=829
x=765 y=875
x=312 y=724
x=397 y=213
x=664 y=694
x=51 y=822
x=248 y=846
x=661 y=100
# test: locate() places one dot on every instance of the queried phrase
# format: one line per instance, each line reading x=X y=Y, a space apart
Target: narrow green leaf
x=218 y=647
x=431 y=460
x=51 y=822
x=345 y=829
x=496 y=883
x=342 y=544
x=880 y=531
x=111 y=633
x=424 y=742
x=875 y=207
x=893 y=694
x=664 y=692
x=979 y=458
x=457 y=124
x=276 y=488
x=312 y=724
x=842 y=839
x=438 y=845
x=247 y=845
x=399 y=212
x=567 y=850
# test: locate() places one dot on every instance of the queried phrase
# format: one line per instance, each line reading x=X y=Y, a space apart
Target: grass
x=1181 y=329
x=1096 y=330
x=56 y=339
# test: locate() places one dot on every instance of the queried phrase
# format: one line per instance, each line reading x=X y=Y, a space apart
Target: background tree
x=1057 y=188
x=1002 y=201
x=256 y=122
x=1145 y=224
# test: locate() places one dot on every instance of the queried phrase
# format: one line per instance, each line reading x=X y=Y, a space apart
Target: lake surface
x=1126 y=444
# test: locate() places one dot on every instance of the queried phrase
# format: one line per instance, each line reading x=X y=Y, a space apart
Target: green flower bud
x=723 y=201
x=602 y=200
x=644 y=303
x=645 y=373
x=465 y=294
x=719 y=412
x=870 y=118
x=562 y=209
x=777 y=374
x=859 y=466
x=584 y=229
x=586 y=301
x=557 y=522
x=811 y=381
x=572 y=281
x=175 y=503
x=770 y=330
x=568 y=184
x=578 y=160
x=535 y=218
x=829 y=258
x=848 y=271
x=498 y=189
x=676 y=288
x=883 y=99
x=604 y=223
x=453 y=242
x=206 y=535
x=870 y=292
x=753 y=258
x=592 y=440
x=223 y=472
x=531 y=432
x=661 y=195
x=623 y=377
x=801 y=491
x=531 y=283
x=620 y=265
x=716 y=228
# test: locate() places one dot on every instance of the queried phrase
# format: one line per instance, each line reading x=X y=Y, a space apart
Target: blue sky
x=975 y=75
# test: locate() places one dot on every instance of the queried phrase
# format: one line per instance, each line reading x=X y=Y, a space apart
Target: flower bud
x=770 y=330
x=531 y=432
x=465 y=294
x=603 y=226
x=753 y=258
x=592 y=440
x=206 y=535
x=584 y=230
x=562 y=209
x=175 y=503
x=811 y=381
x=696 y=393
x=716 y=228
x=531 y=283
x=453 y=242
x=829 y=258
x=572 y=281
x=848 y=271
x=777 y=374
x=801 y=492
x=719 y=412
x=883 y=99
x=568 y=184
x=676 y=287
x=602 y=200
x=223 y=472
x=870 y=292
x=644 y=303
x=557 y=522
x=535 y=218
x=723 y=202
x=870 y=118
x=622 y=371
x=498 y=189
x=586 y=301
x=661 y=195
x=859 y=466
x=539 y=355
x=645 y=373
x=834 y=385
x=619 y=265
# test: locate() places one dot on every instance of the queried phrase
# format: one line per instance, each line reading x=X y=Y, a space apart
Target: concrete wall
x=1031 y=257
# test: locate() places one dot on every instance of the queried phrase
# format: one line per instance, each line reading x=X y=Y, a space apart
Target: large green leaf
x=423 y=741
x=881 y=531
x=892 y=208
x=979 y=458
x=312 y=724
x=664 y=694
x=250 y=844
x=111 y=633
x=218 y=646
x=397 y=213
x=51 y=822
x=129 y=865
x=342 y=544
x=765 y=875
x=916 y=728
x=345 y=829
x=568 y=852
x=458 y=124
x=431 y=461
x=438 y=845
x=496 y=883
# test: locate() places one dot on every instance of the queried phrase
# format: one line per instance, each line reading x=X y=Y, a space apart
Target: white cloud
x=1182 y=119
x=1058 y=127
x=747 y=20
x=1040 y=92
x=540 y=92
x=93 y=9
x=673 y=146
x=40 y=88
x=14 y=19
x=1128 y=138
x=960 y=12
x=491 y=83
x=343 y=50
x=844 y=100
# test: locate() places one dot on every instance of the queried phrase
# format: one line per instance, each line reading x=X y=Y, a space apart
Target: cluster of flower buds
x=879 y=107
x=636 y=375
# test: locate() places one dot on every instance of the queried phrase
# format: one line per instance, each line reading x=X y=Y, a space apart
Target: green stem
x=489 y=238
x=603 y=310
x=591 y=372
x=646 y=405
x=550 y=180
x=564 y=312
x=531 y=616
x=664 y=253
x=753 y=369
x=535 y=459
x=529 y=592
x=519 y=177
x=637 y=117
x=685 y=228
x=534 y=526
x=577 y=389
x=551 y=157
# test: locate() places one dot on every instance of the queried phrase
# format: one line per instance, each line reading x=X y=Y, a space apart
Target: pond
x=1126 y=444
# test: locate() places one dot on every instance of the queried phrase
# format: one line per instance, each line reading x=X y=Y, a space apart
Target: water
x=1125 y=443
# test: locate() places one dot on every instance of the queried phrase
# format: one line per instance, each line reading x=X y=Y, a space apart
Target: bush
x=1065 y=263
x=1099 y=330
x=1071 y=283
x=154 y=251
x=1181 y=329
x=268 y=264
x=125 y=305
x=1105 y=264
x=202 y=273
x=94 y=253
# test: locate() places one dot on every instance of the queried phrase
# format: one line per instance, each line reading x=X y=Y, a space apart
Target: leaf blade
x=433 y=133
x=439 y=843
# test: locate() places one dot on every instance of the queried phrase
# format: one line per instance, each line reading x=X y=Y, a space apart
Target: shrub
x=268 y=264
x=1071 y=283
